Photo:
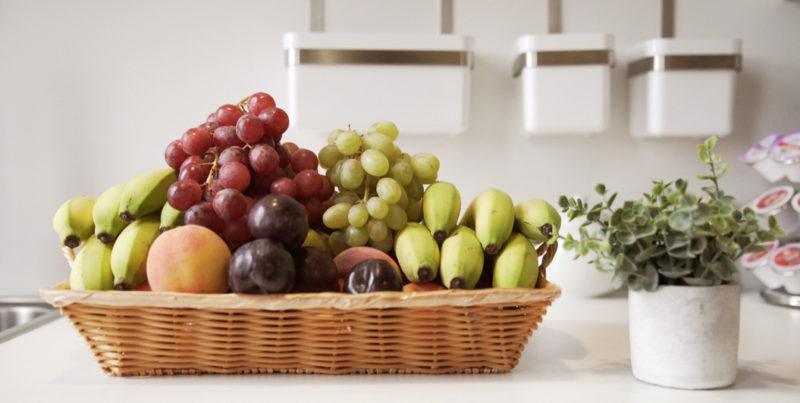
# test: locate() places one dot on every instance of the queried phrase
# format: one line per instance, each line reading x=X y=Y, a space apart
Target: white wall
x=91 y=91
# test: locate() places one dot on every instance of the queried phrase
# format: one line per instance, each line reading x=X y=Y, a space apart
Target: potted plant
x=676 y=252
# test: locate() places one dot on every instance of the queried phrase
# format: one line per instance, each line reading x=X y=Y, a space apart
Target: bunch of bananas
x=116 y=230
x=492 y=231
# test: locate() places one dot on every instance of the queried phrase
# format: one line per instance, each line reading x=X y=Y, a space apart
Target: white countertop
x=579 y=353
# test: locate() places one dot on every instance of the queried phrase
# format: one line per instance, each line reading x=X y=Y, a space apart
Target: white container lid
x=685 y=46
x=786 y=259
x=760 y=150
x=528 y=43
x=772 y=200
x=787 y=149
x=755 y=260
x=323 y=40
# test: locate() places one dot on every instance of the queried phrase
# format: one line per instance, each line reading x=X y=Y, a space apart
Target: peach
x=190 y=258
x=350 y=257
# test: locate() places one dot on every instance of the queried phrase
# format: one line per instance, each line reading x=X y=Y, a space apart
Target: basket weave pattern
x=437 y=332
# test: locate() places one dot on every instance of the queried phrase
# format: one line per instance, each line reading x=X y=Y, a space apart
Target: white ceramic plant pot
x=578 y=276
x=685 y=337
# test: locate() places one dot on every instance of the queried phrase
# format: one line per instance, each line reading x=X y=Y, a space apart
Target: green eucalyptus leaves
x=670 y=236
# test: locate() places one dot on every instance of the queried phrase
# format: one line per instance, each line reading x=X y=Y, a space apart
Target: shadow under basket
x=136 y=333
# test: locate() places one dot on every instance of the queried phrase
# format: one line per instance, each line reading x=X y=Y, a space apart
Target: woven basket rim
x=60 y=296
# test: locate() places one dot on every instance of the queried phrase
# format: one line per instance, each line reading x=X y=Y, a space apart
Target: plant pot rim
x=689 y=287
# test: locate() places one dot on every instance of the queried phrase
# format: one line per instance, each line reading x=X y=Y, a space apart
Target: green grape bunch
x=379 y=187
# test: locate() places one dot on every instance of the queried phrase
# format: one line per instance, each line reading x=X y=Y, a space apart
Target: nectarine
x=190 y=258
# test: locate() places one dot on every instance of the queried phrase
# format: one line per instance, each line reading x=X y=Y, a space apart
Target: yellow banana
x=441 y=206
x=170 y=217
x=129 y=255
x=462 y=259
x=145 y=194
x=517 y=265
x=417 y=252
x=491 y=215
x=92 y=267
x=73 y=221
x=313 y=238
x=537 y=220
x=107 y=224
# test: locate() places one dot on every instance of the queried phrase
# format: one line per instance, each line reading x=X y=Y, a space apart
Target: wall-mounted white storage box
x=565 y=82
x=683 y=86
x=420 y=82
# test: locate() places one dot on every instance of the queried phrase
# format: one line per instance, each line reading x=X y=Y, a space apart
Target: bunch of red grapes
x=236 y=157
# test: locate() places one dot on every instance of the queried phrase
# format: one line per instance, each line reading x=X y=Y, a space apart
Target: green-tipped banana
x=462 y=259
x=107 y=224
x=92 y=267
x=441 y=206
x=417 y=252
x=537 y=220
x=129 y=256
x=73 y=221
x=170 y=218
x=517 y=265
x=145 y=194
x=491 y=215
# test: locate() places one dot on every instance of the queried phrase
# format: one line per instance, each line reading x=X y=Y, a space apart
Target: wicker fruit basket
x=134 y=333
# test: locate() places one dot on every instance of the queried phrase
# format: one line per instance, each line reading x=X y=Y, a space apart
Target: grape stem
x=213 y=171
x=243 y=103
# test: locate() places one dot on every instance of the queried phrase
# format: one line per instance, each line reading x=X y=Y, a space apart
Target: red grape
x=234 y=175
x=236 y=233
x=229 y=204
x=212 y=117
x=275 y=121
x=195 y=172
x=203 y=214
x=303 y=159
x=184 y=194
x=268 y=141
x=234 y=153
x=308 y=182
x=326 y=190
x=284 y=186
x=174 y=154
x=258 y=102
x=196 y=141
x=314 y=210
x=193 y=159
x=290 y=147
x=284 y=154
x=225 y=136
x=249 y=129
x=212 y=190
x=208 y=126
x=228 y=114
x=264 y=159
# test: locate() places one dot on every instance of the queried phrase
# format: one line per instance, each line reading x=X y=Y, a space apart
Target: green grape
x=377 y=230
x=426 y=167
x=356 y=236
x=346 y=197
x=358 y=215
x=335 y=217
x=397 y=218
x=337 y=242
x=348 y=143
x=335 y=173
x=389 y=190
x=394 y=154
x=401 y=171
x=414 y=210
x=377 y=208
x=386 y=128
x=403 y=202
x=374 y=162
x=378 y=142
x=333 y=135
x=329 y=156
x=352 y=174
x=405 y=157
x=414 y=190
x=384 y=245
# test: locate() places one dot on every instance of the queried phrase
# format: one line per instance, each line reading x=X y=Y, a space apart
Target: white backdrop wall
x=91 y=91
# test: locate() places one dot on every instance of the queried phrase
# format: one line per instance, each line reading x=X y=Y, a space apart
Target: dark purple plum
x=316 y=271
x=280 y=219
x=373 y=275
x=261 y=267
